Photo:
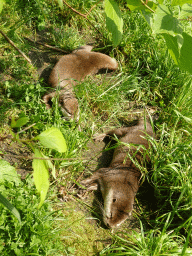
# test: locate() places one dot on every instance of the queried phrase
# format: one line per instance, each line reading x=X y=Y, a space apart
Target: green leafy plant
x=146 y=76
x=1 y=5
x=114 y=20
x=153 y=242
x=36 y=234
x=163 y=20
x=8 y=174
x=51 y=138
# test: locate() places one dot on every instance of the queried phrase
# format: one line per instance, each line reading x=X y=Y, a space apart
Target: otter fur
x=119 y=182
x=72 y=68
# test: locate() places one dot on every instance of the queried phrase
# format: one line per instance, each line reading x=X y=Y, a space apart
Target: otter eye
x=114 y=200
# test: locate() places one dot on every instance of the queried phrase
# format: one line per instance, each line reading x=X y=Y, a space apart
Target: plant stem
x=11 y=42
x=46 y=45
x=83 y=15
x=147 y=6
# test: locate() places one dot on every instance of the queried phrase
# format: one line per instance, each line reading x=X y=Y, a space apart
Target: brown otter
x=120 y=181
x=72 y=68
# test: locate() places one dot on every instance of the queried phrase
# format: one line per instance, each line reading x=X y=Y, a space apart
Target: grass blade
x=10 y=207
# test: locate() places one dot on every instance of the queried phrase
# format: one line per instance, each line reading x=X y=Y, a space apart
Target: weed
x=146 y=76
x=154 y=243
x=36 y=233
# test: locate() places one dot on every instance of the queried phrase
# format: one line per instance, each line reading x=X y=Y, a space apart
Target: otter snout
x=111 y=223
x=118 y=204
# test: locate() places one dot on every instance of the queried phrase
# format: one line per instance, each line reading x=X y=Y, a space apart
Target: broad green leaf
x=152 y=6
x=41 y=176
x=164 y=22
x=10 y=207
x=13 y=122
x=8 y=173
x=148 y=17
x=53 y=138
x=172 y=46
x=185 y=59
x=138 y=5
x=186 y=11
x=50 y=165
x=2 y=2
x=135 y=5
x=60 y=3
x=20 y=122
x=114 y=20
x=180 y=2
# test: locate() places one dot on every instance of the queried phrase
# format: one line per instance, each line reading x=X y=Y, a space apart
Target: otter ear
x=92 y=182
x=90 y=187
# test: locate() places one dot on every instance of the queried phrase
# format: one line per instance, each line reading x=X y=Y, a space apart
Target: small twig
x=26 y=128
x=77 y=180
x=11 y=42
x=84 y=16
x=147 y=6
x=43 y=158
x=93 y=8
x=46 y=45
x=188 y=19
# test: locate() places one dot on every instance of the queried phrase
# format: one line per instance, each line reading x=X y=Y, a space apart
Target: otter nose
x=107 y=219
x=109 y=216
x=107 y=223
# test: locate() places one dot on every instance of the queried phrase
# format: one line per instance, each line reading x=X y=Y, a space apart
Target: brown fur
x=119 y=182
x=72 y=68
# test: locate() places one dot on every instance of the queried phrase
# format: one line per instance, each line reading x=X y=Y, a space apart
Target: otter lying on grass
x=72 y=68
x=119 y=182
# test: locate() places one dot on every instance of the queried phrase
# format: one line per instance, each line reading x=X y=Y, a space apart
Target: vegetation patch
x=154 y=71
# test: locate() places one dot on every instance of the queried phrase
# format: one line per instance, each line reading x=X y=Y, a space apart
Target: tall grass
x=37 y=234
x=172 y=162
x=154 y=243
x=146 y=76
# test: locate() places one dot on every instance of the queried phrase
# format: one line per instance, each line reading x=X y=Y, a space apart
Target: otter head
x=118 y=188
x=67 y=102
x=118 y=193
x=69 y=106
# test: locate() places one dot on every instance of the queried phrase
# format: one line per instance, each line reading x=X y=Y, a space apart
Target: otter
x=72 y=68
x=119 y=182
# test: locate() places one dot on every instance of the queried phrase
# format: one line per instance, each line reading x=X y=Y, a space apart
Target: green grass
x=37 y=234
x=146 y=76
x=154 y=243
